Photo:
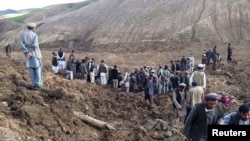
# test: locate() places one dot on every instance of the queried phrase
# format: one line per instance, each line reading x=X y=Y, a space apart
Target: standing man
x=30 y=45
x=90 y=69
x=61 y=59
x=115 y=77
x=192 y=62
x=8 y=50
x=83 y=70
x=203 y=114
x=215 y=59
x=179 y=103
x=102 y=69
x=54 y=63
x=198 y=76
x=172 y=66
x=209 y=55
x=183 y=63
x=195 y=95
x=229 y=53
x=164 y=79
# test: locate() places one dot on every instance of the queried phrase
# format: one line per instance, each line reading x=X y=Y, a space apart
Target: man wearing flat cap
x=203 y=114
x=30 y=45
x=179 y=103
x=242 y=117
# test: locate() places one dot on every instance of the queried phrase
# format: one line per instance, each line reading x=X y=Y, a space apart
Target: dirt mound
x=47 y=113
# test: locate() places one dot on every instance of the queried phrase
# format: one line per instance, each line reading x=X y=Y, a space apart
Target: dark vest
x=60 y=54
x=91 y=68
x=177 y=67
x=102 y=68
x=54 y=61
x=200 y=122
x=175 y=81
x=234 y=118
x=178 y=96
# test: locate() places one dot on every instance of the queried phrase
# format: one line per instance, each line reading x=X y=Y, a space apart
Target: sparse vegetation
x=20 y=19
x=71 y=6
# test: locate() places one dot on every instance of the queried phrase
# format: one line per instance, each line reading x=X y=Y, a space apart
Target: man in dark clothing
x=133 y=83
x=120 y=78
x=177 y=66
x=209 y=55
x=229 y=53
x=61 y=59
x=78 y=71
x=203 y=114
x=71 y=68
x=54 y=63
x=139 y=81
x=102 y=69
x=115 y=76
x=175 y=80
x=185 y=79
x=83 y=69
x=242 y=117
x=8 y=50
x=215 y=50
x=90 y=69
x=61 y=55
x=183 y=63
x=214 y=58
x=172 y=66
x=110 y=75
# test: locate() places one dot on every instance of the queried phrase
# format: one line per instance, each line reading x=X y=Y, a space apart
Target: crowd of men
x=87 y=69
x=192 y=107
x=182 y=80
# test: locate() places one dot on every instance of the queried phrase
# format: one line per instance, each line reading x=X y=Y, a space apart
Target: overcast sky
x=24 y=4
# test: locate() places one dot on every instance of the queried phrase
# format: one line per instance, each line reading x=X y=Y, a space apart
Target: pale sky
x=24 y=4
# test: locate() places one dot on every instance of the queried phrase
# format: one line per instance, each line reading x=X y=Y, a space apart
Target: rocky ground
x=48 y=114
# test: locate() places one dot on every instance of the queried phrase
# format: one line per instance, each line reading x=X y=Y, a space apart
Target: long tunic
x=199 y=77
x=195 y=95
x=198 y=120
x=29 y=43
x=180 y=110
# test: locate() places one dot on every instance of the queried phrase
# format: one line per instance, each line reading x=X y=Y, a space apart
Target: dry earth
x=47 y=115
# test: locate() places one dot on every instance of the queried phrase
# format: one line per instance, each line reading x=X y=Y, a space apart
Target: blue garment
x=36 y=76
x=29 y=43
x=33 y=62
x=150 y=88
x=227 y=118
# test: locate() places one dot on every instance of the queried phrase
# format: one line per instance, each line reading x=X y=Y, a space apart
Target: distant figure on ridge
x=8 y=51
x=229 y=53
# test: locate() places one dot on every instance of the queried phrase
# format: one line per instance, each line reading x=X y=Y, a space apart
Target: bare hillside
x=129 y=21
x=7 y=32
x=54 y=10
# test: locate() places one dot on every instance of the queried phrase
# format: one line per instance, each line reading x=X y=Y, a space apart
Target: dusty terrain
x=47 y=115
x=129 y=34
